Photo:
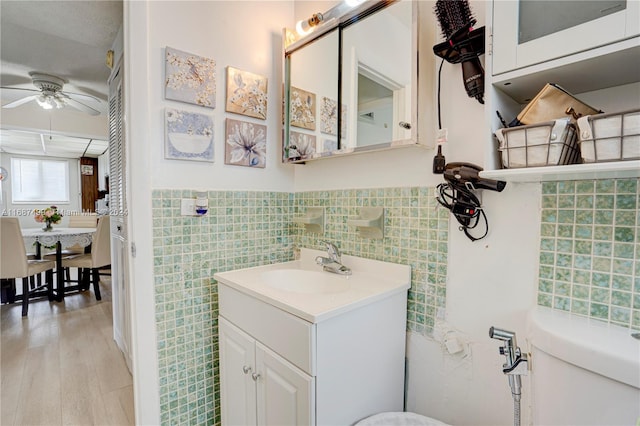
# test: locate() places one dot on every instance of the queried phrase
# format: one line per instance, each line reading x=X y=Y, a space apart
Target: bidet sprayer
x=516 y=363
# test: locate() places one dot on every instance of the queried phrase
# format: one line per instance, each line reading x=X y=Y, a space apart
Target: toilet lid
x=399 y=419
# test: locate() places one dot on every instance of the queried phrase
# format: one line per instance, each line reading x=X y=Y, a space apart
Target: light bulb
x=354 y=3
x=44 y=102
x=305 y=26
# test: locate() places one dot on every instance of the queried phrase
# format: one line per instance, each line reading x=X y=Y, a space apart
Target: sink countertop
x=370 y=281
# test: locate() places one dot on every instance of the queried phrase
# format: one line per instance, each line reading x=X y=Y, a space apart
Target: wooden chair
x=15 y=264
x=99 y=257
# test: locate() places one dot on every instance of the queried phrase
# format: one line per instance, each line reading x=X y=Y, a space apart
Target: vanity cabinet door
x=237 y=364
x=285 y=393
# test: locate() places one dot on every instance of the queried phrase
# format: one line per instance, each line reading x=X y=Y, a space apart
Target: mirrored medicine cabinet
x=351 y=85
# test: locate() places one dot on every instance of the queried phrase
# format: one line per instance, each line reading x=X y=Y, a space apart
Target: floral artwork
x=246 y=144
x=329 y=145
x=301 y=145
x=303 y=109
x=246 y=93
x=329 y=116
x=189 y=136
x=190 y=78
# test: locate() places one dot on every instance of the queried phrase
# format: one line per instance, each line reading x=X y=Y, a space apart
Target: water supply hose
x=516 y=410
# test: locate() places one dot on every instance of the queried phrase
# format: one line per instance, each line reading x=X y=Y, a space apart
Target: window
x=39 y=181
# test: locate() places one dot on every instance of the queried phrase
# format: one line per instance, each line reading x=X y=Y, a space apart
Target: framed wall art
x=303 y=109
x=245 y=144
x=246 y=93
x=188 y=136
x=301 y=145
x=190 y=78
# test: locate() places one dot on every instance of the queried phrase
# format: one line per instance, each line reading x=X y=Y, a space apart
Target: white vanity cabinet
x=277 y=368
x=259 y=386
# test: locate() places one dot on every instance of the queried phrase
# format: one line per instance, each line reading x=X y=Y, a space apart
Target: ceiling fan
x=49 y=95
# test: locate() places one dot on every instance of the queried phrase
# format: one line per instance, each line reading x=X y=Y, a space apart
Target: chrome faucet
x=332 y=263
x=517 y=363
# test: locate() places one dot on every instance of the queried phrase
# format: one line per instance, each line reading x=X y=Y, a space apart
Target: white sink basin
x=302 y=288
x=305 y=282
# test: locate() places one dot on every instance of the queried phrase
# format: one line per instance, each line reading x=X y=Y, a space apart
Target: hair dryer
x=466 y=174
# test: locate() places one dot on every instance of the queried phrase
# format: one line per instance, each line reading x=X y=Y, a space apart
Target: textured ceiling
x=68 y=39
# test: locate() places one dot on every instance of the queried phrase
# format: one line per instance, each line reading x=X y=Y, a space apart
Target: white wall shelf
x=619 y=169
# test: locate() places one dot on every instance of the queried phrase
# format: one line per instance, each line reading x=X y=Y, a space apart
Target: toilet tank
x=583 y=371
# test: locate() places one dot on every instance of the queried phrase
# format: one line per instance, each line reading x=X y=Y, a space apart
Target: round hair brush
x=456 y=23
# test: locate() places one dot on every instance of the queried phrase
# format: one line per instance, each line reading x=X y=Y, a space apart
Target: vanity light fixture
x=306 y=26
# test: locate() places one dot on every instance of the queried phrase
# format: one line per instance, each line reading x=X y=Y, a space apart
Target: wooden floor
x=61 y=366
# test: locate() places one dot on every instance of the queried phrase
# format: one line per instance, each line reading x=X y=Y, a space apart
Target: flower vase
x=47 y=227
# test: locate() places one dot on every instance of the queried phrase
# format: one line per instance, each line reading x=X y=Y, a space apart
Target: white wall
x=246 y=35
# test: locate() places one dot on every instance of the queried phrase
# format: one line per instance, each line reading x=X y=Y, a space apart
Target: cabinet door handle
x=246 y=369
x=255 y=376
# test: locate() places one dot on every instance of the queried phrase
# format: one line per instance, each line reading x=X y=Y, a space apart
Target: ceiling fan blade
x=80 y=96
x=19 y=88
x=20 y=101
x=78 y=105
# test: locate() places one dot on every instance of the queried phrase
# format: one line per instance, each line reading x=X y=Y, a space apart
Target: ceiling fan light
x=60 y=103
x=44 y=101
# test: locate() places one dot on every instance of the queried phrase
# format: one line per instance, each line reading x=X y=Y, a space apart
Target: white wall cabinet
x=278 y=369
x=260 y=387
x=527 y=33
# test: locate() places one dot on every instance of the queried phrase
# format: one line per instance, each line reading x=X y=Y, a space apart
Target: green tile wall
x=415 y=234
x=589 y=244
x=244 y=229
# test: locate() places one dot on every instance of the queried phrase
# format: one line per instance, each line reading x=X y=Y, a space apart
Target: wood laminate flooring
x=61 y=366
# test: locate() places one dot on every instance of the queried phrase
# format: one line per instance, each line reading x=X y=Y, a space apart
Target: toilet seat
x=399 y=419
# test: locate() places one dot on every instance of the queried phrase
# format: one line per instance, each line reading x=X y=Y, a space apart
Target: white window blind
x=36 y=181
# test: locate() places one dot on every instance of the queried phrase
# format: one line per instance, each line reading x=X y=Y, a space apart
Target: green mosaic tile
x=562 y=303
x=585 y=201
x=585 y=187
x=599 y=311
x=566 y=201
x=603 y=217
x=627 y=186
x=621 y=298
x=580 y=307
x=605 y=201
x=582 y=231
x=549 y=187
x=624 y=234
x=595 y=225
x=549 y=201
x=605 y=186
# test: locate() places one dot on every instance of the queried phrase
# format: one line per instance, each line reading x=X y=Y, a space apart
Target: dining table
x=59 y=238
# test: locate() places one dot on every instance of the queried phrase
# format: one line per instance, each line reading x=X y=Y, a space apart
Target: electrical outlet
x=188 y=207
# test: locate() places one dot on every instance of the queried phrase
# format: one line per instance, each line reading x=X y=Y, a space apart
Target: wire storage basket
x=551 y=143
x=610 y=137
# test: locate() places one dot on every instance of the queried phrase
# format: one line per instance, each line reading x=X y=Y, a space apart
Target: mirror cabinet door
x=377 y=62
x=311 y=99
